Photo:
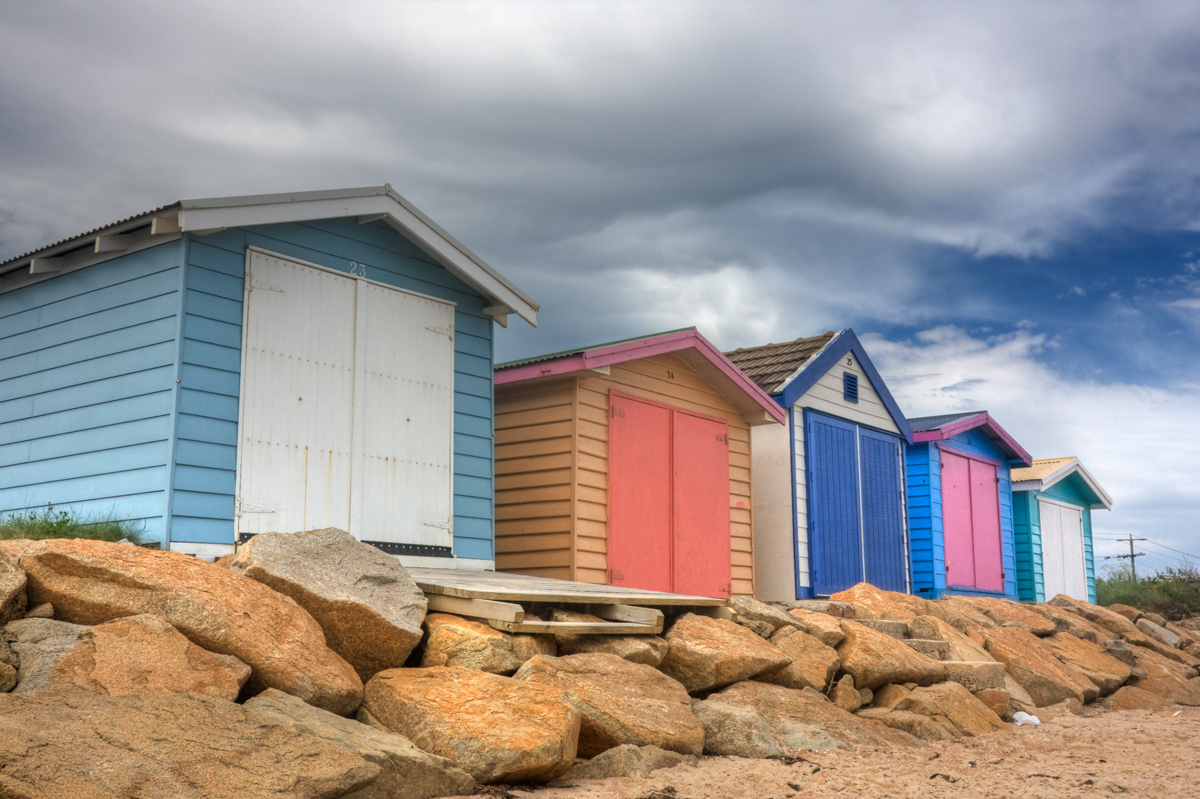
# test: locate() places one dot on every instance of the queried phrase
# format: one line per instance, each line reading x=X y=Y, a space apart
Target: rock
x=8 y=678
x=843 y=694
x=840 y=610
x=888 y=696
x=1018 y=697
x=980 y=676
x=1109 y=620
x=929 y=647
x=1169 y=652
x=1186 y=637
x=762 y=629
x=1009 y=612
x=495 y=728
x=12 y=592
x=827 y=629
x=40 y=644
x=925 y=728
x=1193 y=650
x=1158 y=632
x=627 y=761
x=405 y=772
x=1154 y=618
x=961 y=613
x=645 y=649
x=866 y=695
x=875 y=659
x=896 y=629
x=996 y=700
x=1166 y=678
x=182 y=746
x=1138 y=673
x=620 y=702
x=42 y=611
x=1132 y=697
x=364 y=600
x=813 y=663
x=1190 y=624
x=1116 y=648
x=746 y=609
x=145 y=655
x=13 y=548
x=469 y=644
x=962 y=648
x=887 y=605
x=753 y=719
x=7 y=655
x=1034 y=666
x=1107 y=672
x=953 y=706
x=705 y=653
x=1067 y=622
x=1071 y=707
x=1131 y=613
x=91 y=582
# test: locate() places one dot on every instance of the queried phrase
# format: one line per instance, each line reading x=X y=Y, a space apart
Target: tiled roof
x=567 y=353
x=771 y=364
x=1040 y=469
x=923 y=423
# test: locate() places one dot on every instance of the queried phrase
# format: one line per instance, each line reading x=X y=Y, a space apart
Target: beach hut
x=628 y=464
x=960 y=505
x=1053 y=500
x=218 y=368
x=828 y=488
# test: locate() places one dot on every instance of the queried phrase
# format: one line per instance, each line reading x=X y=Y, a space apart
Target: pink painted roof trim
x=644 y=348
x=971 y=422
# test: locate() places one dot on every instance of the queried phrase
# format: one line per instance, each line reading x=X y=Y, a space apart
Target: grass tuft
x=1173 y=593
x=49 y=523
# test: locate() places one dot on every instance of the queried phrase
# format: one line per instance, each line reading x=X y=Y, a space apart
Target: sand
x=1133 y=753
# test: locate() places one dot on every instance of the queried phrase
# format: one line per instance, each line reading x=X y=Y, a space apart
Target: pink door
x=971 y=523
x=700 y=489
x=985 y=526
x=639 y=498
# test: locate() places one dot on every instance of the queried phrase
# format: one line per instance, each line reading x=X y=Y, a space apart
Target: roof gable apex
x=820 y=363
x=963 y=423
x=1068 y=468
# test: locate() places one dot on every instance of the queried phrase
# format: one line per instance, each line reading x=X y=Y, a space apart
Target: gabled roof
x=940 y=428
x=206 y=216
x=695 y=350
x=787 y=371
x=1044 y=473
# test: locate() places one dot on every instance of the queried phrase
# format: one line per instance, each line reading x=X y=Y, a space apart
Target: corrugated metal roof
x=771 y=364
x=922 y=423
x=550 y=356
x=94 y=231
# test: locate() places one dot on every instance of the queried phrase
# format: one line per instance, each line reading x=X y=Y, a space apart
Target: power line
x=1164 y=546
x=1133 y=556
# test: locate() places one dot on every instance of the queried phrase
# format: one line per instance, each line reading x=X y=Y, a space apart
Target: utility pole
x=1133 y=556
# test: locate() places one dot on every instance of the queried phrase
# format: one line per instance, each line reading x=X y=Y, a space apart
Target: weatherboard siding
x=206 y=460
x=926 y=533
x=826 y=395
x=87 y=370
x=1027 y=534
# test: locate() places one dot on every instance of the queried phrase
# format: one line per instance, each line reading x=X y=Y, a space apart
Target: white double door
x=347 y=408
x=1064 y=568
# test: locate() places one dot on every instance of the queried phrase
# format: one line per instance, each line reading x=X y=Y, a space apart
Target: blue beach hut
x=219 y=368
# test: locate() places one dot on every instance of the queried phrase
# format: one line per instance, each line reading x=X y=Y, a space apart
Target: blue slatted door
x=882 y=510
x=835 y=533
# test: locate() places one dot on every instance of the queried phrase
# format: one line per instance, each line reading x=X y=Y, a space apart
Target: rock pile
x=282 y=671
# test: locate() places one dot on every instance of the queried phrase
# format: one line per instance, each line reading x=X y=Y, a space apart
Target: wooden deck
x=496 y=598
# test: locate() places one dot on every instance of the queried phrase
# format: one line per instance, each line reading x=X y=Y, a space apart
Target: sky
x=1002 y=200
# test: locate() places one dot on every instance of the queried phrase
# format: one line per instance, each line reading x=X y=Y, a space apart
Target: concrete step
x=935 y=650
x=896 y=629
x=975 y=676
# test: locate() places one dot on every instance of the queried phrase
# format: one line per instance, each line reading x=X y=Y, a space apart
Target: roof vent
x=850 y=386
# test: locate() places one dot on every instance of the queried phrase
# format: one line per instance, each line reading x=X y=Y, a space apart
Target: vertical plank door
x=1074 y=559
x=985 y=527
x=833 y=495
x=957 y=535
x=884 y=549
x=639 y=532
x=700 y=498
x=1053 y=571
x=294 y=449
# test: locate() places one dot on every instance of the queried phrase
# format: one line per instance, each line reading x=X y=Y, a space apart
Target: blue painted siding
x=1027 y=530
x=206 y=458
x=87 y=389
x=926 y=547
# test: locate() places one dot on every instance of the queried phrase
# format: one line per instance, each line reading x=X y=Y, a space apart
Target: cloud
x=1139 y=442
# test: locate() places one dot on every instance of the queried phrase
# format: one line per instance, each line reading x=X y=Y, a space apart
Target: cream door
x=1064 y=568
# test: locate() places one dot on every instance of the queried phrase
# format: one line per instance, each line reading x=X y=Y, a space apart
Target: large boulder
x=813 y=665
x=91 y=582
x=12 y=592
x=145 y=655
x=754 y=719
x=822 y=626
x=646 y=649
x=162 y=746
x=1033 y=665
x=1158 y=633
x=705 y=653
x=978 y=676
x=875 y=659
x=1067 y=622
x=954 y=707
x=620 y=702
x=1009 y=612
x=1166 y=678
x=405 y=772
x=961 y=647
x=368 y=607
x=925 y=728
x=1109 y=620
x=39 y=645
x=1134 y=697
x=1131 y=613
x=963 y=613
x=495 y=728
x=13 y=548
x=882 y=604
x=747 y=612
x=626 y=761
x=469 y=644
x=1107 y=672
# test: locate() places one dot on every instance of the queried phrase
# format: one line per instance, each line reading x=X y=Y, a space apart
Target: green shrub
x=49 y=523
x=1173 y=593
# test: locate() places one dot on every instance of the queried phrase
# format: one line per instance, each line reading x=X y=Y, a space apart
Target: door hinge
x=618 y=411
x=249 y=507
x=723 y=439
x=447 y=525
x=448 y=332
x=727 y=589
x=614 y=575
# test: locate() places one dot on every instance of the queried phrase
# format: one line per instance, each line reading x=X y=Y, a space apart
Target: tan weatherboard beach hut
x=629 y=464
